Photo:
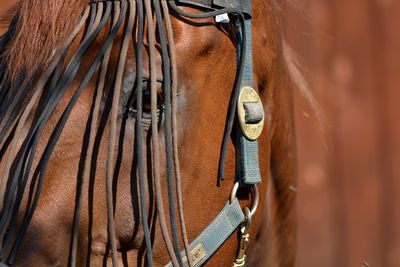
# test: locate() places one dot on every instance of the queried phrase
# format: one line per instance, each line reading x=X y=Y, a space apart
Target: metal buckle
x=255 y=200
x=251 y=113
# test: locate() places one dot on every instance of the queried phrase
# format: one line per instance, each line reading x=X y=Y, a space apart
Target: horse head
x=121 y=142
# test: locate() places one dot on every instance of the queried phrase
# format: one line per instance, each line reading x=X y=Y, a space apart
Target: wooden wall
x=349 y=175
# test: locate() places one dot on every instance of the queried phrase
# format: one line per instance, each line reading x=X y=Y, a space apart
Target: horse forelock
x=38 y=29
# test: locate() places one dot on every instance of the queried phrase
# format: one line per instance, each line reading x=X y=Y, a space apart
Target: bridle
x=245 y=108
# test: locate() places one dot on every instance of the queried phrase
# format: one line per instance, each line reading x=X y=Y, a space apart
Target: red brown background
x=349 y=174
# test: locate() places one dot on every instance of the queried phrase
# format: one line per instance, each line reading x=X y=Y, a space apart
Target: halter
x=250 y=114
x=246 y=108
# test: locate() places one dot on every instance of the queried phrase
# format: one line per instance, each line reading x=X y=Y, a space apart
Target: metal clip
x=244 y=240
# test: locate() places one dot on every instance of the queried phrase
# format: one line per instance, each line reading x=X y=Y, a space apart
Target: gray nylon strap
x=243 y=5
x=207 y=243
x=248 y=149
x=200 y=3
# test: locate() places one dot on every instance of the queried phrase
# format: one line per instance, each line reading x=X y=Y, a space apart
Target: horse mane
x=292 y=62
x=37 y=29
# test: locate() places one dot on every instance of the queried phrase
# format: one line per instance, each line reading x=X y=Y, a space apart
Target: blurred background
x=349 y=174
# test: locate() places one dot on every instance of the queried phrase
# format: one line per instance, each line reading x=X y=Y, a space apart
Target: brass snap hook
x=240 y=259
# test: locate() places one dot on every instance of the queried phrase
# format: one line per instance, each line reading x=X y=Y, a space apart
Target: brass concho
x=250 y=113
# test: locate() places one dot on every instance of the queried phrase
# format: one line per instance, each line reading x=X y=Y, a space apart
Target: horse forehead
x=183 y=36
x=188 y=36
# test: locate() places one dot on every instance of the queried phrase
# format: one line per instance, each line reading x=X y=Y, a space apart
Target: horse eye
x=146 y=100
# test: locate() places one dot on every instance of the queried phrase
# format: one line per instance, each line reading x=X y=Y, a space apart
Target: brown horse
x=84 y=188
